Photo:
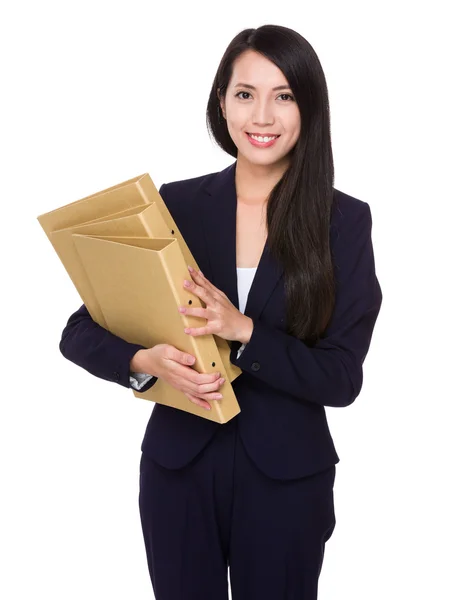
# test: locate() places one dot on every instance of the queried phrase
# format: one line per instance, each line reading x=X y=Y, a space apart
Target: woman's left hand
x=224 y=319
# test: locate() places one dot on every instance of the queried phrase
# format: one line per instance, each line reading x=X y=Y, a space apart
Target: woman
x=288 y=277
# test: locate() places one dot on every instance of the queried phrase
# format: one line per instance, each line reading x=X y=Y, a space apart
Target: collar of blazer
x=217 y=211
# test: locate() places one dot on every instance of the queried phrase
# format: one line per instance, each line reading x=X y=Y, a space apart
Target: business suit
x=281 y=434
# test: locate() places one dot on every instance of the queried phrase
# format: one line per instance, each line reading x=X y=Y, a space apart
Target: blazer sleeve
x=329 y=373
x=98 y=351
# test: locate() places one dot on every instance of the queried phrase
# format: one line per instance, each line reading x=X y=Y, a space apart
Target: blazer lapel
x=217 y=211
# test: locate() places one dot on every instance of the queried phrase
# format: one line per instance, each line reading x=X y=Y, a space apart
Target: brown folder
x=143 y=277
x=134 y=210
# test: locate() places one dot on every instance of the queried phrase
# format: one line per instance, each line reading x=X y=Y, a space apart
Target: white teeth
x=263 y=139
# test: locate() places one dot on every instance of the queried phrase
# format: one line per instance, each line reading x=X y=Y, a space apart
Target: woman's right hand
x=167 y=362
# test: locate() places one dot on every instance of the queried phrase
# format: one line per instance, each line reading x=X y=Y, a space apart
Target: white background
x=94 y=93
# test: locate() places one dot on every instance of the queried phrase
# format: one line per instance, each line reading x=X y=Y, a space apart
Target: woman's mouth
x=262 y=141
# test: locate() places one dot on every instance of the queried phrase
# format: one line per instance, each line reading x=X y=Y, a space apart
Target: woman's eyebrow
x=252 y=87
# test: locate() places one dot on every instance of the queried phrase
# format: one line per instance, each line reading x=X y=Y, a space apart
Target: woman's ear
x=222 y=104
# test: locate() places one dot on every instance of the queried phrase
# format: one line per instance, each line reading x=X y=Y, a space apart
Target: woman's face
x=260 y=110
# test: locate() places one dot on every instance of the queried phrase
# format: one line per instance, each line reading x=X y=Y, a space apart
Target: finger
x=192 y=376
x=202 y=388
x=198 y=402
x=195 y=331
x=207 y=396
x=201 y=279
x=196 y=392
x=200 y=378
x=199 y=291
x=181 y=357
x=194 y=312
x=206 y=388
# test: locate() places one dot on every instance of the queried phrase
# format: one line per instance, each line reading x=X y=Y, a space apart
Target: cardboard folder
x=129 y=228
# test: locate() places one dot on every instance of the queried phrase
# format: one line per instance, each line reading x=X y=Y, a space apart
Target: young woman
x=288 y=277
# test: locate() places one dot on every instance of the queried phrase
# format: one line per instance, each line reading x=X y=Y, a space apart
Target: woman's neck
x=255 y=182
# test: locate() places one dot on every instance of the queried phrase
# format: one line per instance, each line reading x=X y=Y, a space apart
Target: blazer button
x=255 y=366
x=116 y=375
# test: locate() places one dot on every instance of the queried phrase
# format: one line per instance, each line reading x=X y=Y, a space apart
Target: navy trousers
x=220 y=513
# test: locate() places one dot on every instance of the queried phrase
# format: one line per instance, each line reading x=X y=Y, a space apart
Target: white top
x=245 y=276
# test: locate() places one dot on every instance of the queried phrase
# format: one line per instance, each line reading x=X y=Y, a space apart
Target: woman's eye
x=288 y=95
x=238 y=95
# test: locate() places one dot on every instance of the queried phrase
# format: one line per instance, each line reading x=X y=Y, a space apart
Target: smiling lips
x=262 y=141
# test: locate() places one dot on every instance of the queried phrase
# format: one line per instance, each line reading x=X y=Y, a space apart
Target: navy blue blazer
x=284 y=385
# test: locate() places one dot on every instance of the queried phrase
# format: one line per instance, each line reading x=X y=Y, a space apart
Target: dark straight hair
x=299 y=206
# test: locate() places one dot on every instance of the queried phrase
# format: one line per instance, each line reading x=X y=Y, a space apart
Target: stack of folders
x=128 y=260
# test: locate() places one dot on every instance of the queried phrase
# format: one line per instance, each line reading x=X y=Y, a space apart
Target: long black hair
x=299 y=206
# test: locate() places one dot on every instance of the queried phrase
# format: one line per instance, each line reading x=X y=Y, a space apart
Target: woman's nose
x=262 y=114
